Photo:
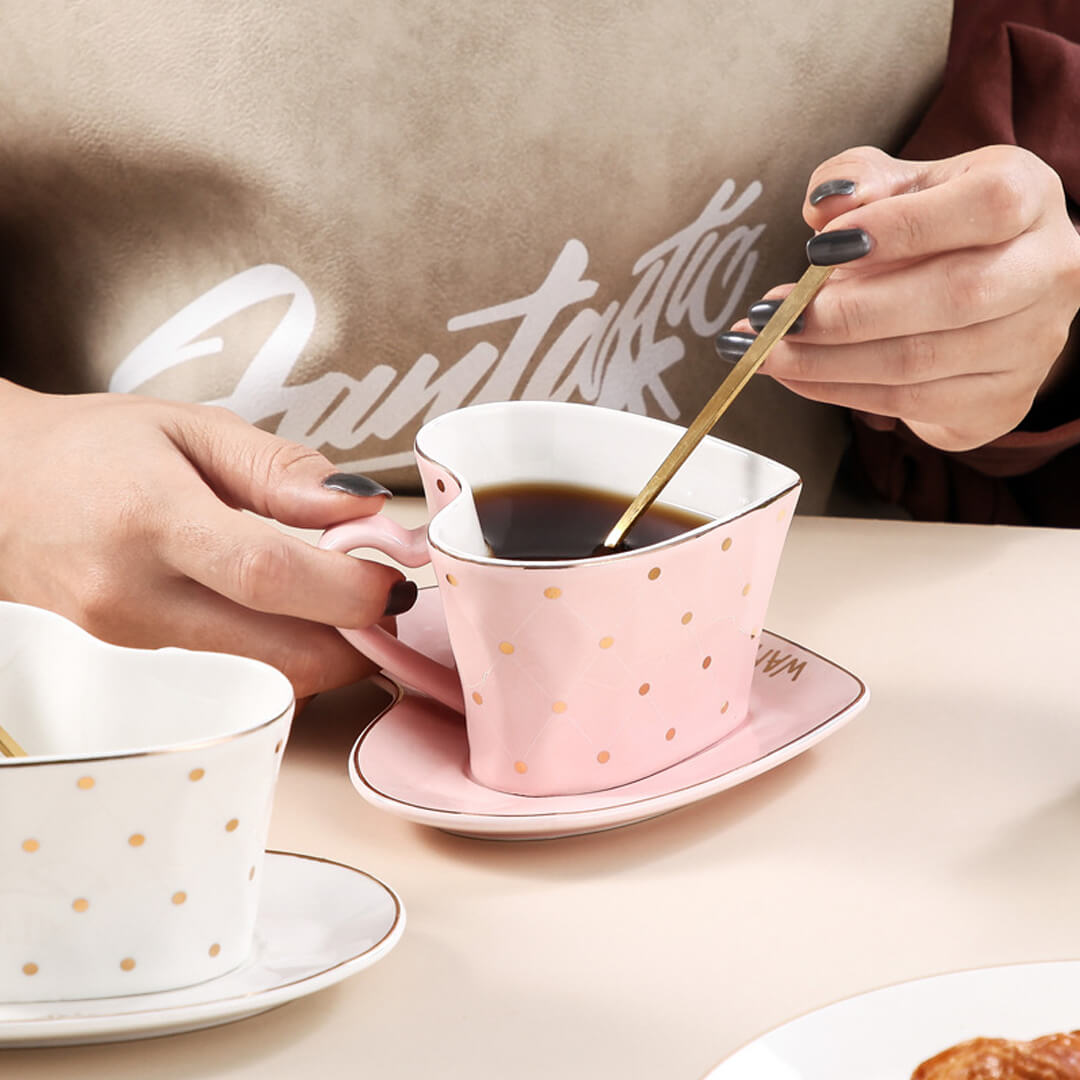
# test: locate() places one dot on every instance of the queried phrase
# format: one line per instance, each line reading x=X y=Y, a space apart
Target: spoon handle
x=9 y=747
x=804 y=291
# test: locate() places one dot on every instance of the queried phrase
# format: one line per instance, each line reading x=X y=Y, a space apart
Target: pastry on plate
x=1051 y=1057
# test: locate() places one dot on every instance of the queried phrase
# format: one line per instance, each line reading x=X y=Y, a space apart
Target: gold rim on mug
x=123 y=755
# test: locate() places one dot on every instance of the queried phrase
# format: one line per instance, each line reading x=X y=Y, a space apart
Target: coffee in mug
x=567 y=521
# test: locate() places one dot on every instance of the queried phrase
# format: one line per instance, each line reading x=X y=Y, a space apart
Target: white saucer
x=886 y=1034
x=412 y=760
x=319 y=922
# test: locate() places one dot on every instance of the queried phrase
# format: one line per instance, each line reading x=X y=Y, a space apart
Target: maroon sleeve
x=1012 y=76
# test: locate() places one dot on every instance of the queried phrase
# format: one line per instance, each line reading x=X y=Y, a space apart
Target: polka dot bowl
x=132 y=833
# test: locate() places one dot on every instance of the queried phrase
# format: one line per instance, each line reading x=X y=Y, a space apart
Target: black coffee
x=562 y=521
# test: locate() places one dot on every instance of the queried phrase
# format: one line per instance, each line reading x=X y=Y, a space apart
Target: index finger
x=260 y=567
x=913 y=210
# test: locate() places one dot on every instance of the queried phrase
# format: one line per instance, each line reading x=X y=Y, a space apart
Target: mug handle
x=409 y=548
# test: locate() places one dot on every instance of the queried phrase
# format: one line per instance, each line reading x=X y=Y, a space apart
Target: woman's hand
x=125 y=515
x=960 y=280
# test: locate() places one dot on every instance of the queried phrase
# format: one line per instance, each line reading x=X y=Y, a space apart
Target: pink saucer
x=412 y=760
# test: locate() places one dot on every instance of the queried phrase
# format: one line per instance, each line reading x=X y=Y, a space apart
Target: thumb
x=253 y=470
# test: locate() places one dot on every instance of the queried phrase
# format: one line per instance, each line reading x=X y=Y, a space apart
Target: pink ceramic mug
x=584 y=674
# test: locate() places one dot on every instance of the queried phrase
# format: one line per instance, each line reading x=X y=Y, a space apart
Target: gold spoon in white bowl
x=804 y=291
x=8 y=746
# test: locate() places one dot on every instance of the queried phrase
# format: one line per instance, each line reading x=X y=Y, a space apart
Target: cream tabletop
x=938 y=831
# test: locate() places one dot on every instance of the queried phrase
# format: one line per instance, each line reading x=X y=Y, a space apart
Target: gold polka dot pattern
x=110 y=908
x=663 y=638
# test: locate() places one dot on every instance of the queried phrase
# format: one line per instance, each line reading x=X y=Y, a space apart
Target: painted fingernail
x=355 y=484
x=764 y=310
x=731 y=346
x=401 y=597
x=830 y=188
x=841 y=246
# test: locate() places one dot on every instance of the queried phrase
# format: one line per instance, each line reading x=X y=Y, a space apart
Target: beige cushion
x=337 y=189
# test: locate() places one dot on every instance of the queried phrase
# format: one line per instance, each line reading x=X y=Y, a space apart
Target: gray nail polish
x=401 y=597
x=844 y=245
x=355 y=484
x=830 y=188
x=731 y=346
x=764 y=310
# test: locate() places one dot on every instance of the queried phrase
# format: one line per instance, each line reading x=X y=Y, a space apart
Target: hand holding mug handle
x=409 y=548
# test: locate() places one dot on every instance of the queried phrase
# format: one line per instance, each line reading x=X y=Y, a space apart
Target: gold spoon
x=8 y=746
x=804 y=291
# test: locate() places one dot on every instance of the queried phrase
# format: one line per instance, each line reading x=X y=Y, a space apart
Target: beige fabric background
x=393 y=167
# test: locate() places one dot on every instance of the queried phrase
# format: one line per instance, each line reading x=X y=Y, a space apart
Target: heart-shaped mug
x=132 y=833
x=581 y=674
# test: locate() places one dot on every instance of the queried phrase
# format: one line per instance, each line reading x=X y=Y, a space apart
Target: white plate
x=412 y=760
x=886 y=1034
x=319 y=922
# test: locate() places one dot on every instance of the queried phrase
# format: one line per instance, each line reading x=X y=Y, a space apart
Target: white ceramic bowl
x=132 y=835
